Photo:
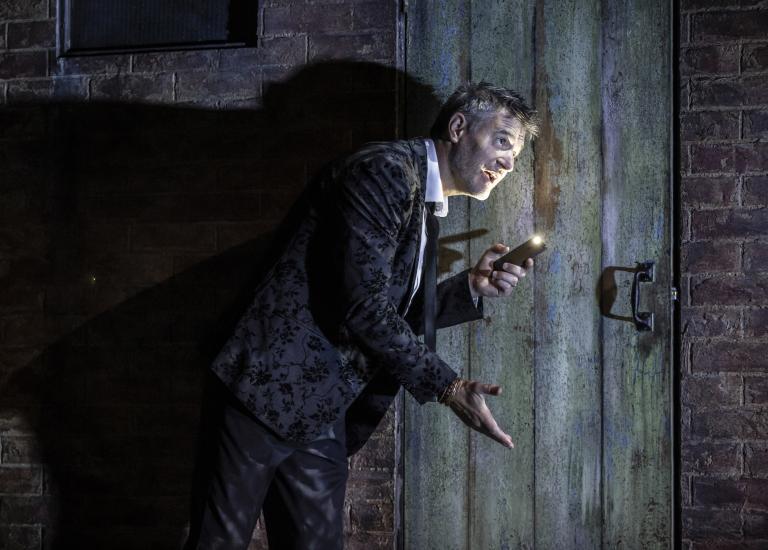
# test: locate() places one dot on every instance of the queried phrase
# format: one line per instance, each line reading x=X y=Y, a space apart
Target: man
x=331 y=335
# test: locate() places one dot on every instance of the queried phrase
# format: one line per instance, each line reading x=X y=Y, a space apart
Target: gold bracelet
x=450 y=391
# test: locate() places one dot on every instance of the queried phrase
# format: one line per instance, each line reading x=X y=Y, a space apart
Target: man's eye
x=503 y=141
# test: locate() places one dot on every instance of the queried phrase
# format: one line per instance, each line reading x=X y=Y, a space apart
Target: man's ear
x=457 y=125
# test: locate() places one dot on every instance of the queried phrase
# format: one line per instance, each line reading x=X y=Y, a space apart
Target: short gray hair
x=483 y=97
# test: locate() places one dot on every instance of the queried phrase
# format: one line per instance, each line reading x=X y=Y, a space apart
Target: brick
x=19 y=450
x=730 y=25
x=23 y=64
x=714 y=4
x=755 y=257
x=685 y=99
x=724 y=224
x=38 y=91
x=725 y=290
x=20 y=537
x=730 y=424
x=749 y=494
x=105 y=237
x=275 y=205
x=712 y=191
x=24 y=509
x=714 y=493
x=156 y=62
x=373 y=16
x=32 y=34
x=86 y=298
x=703 y=523
x=91 y=65
x=23 y=9
x=711 y=158
x=180 y=208
x=702 y=322
x=26 y=240
x=709 y=257
x=755 y=191
x=176 y=237
x=364 y=46
x=729 y=92
x=754 y=58
x=316 y=18
x=756 y=390
x=685 y=489
x=719 y=544
x=234 y=234
x=21 y=480
x=709 y=125
x=371 y=516
x=751 y=158
x=218 y=86
x=711 y=458
x=756 y=459
x=129 y=269
x=157 y=87
x=756 y=323
x=756 y=525
x=285 y=51
x=362 y=486
x=186 y=177
x=710 y=60
x=20 y=298
x=728 y=356
x=755 y=124
x=251 y=176
x=378 y=454
x=706 y=393
x=21 y=122
x=367 y=540
x=684 y=28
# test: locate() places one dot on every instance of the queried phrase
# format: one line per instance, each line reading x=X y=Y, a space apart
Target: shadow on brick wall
x=131 y=237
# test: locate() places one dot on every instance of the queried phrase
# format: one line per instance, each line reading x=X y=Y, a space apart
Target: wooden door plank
x=636 y=219
x=501 y=349
x=435 y=442
x=567 y=202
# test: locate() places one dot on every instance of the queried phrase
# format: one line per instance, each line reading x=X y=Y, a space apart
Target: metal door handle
x=644 y=273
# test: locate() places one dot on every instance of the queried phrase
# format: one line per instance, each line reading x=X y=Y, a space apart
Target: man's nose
x=506 y=163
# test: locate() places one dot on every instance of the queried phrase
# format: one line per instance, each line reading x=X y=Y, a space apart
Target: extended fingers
x=487 y=389
x=497 y=433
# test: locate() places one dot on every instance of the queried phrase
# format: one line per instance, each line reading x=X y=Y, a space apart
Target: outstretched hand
x=491 y=283
x=469 y=405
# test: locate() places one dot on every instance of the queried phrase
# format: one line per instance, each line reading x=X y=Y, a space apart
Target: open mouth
x=492 y=176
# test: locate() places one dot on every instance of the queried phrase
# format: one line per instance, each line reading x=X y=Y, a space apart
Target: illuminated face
x=485 y=148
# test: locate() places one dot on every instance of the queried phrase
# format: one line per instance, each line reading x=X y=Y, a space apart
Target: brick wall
x=724 y=126
x=136 y=192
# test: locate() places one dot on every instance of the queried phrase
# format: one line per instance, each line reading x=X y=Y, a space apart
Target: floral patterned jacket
x=327 y=333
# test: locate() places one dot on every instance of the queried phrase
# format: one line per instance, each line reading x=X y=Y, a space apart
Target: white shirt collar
x=434 y=191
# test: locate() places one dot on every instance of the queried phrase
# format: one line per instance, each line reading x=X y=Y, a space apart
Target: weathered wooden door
x=587 y=396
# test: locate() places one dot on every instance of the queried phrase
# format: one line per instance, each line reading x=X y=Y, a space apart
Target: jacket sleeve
x=373 y=199
x=454 y=304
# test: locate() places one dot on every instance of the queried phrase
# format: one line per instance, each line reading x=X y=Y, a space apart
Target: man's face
x=485 y=148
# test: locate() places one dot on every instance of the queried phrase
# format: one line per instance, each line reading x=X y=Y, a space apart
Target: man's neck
x=443 y=149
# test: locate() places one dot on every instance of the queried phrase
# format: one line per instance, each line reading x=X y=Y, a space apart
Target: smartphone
x=530 y=248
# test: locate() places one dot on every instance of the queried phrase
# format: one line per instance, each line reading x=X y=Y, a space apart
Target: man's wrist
x=447 y=396
x=472 y=291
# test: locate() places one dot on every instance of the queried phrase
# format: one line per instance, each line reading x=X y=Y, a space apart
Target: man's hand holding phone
x=499 y=270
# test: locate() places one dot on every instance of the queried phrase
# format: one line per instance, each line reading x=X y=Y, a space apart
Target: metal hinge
x=674 y=294
x=403 y=6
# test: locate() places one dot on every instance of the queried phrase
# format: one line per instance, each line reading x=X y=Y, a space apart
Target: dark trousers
x=243 y=467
